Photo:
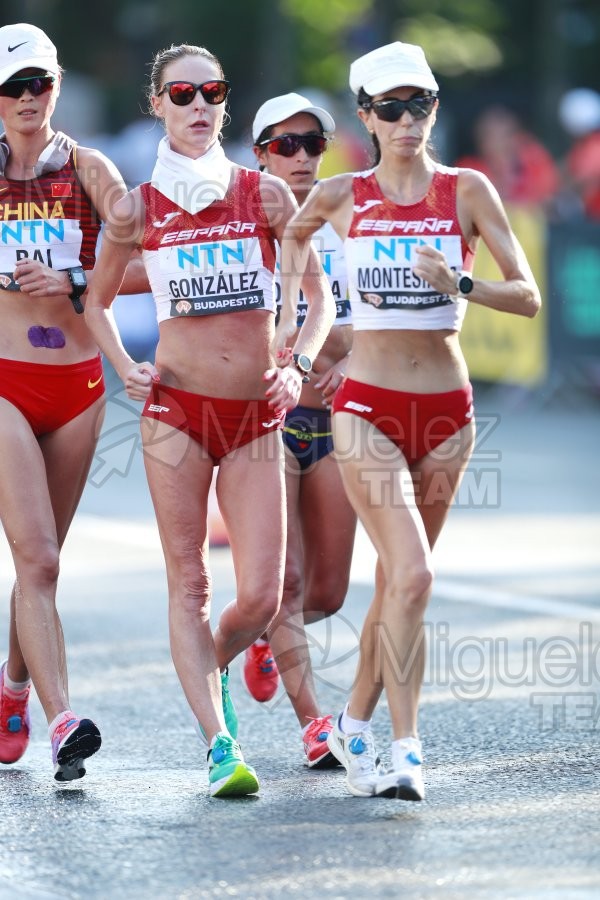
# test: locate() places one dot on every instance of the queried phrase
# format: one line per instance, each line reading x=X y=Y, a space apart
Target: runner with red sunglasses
x=403 y=423
x=53 y=198
x=290 y=136
x=208 y=230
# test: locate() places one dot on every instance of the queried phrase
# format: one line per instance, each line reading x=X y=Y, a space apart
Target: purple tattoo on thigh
x=52 y=338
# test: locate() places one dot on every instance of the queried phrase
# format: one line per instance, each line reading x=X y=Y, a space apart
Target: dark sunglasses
x=36 y=85
x=289 y=144
x=183 y=92
x=391 y=110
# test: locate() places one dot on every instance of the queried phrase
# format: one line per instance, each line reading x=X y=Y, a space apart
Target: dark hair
x=364 y=101
x=172 y=53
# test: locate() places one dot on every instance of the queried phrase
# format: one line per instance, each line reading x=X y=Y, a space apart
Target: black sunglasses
x=391 y=110
x=183 y=92
x=289 y=144
x=35 y=84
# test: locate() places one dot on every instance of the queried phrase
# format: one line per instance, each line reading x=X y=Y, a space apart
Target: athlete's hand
x=138 y=380
x=38 y=280
x=330 y=381
x=433 y=267
x=284 y=388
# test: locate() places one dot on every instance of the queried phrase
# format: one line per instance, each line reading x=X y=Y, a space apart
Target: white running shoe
x=404 y=780
x=356 y=752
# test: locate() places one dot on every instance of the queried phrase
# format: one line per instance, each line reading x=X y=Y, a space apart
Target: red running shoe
x=14 y=722
x=318 y=754
x=260 y=672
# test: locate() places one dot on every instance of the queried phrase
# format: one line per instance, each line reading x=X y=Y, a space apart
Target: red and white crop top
x=219 y=260
x=384 y=291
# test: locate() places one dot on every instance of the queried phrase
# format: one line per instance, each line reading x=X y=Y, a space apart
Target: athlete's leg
x=251 y=492
x=41 y=482
x=436 y=480
x=328 y=528
x=179 y=474
x=379 y=486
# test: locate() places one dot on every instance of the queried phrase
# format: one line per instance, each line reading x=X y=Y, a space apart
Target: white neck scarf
x=192 y=184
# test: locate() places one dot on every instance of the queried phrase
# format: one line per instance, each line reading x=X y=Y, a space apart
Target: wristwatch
x=303 y=363
x=79 y=284
x=464 y=284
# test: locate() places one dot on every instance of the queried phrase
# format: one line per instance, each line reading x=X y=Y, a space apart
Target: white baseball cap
x=395 y=65
x=24 y=46
x=277 y=109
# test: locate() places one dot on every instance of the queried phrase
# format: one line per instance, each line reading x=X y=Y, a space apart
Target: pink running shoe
x=14 y=722
x=73 y=741
x=260 y=672
x=318 y=754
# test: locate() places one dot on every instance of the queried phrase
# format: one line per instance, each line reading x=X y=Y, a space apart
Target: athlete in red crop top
x=207 y=229
x=53 y=197
x=403 y=419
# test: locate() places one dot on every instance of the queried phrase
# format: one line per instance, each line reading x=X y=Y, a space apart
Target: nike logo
x=367 y=205
x=16 y=47
x=469 y=413
x=92 y=384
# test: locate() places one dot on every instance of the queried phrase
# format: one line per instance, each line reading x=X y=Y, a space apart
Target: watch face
x=78 y=279
x=465 y=284
x=304 y=362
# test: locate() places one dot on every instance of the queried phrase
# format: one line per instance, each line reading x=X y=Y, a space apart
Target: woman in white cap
x=53 y=196
x=208 y=230
x=290 y=136
x=403 y=417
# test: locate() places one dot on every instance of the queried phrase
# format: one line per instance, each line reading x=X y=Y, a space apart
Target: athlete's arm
x=300 y=269
x=481 y=214
x=122 y=234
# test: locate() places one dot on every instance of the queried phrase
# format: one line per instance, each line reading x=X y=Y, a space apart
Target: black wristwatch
x=79 y=284
x=464 y=284
x=303 y=363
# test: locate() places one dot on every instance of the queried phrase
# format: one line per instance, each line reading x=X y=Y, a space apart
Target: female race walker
x=53 y=195
x=208 y=230
x=403 y=417
x=290 y=136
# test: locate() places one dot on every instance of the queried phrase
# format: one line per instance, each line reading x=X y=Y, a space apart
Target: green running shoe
x=229 y=713
x=228 y=774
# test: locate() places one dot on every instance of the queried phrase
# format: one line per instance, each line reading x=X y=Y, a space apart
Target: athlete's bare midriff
x=224 y=355
x=420 y=362
x=44 y=330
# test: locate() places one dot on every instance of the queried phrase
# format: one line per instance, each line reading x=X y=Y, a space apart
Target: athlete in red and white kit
x=290 y=136
x=53 y=198
x=208 y=229
x=403 y=421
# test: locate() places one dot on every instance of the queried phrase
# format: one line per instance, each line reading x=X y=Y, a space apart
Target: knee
x=38 y=563
x=191 y=592
x=259 y=603
x=326 y=598
x=411 y=587
x=293 y=586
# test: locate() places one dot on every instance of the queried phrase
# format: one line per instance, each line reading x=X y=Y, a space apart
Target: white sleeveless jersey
x=385 y=293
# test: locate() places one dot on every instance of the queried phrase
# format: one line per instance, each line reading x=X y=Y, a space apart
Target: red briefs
x=49 y=396
x=415 y=423
x=219 y=425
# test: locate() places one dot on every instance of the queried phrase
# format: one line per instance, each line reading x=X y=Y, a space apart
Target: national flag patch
x=61 y=189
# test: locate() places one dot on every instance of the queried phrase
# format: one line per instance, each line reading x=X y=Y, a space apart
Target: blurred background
x=520 y=82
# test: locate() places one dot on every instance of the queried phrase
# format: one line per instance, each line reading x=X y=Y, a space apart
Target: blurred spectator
x=521 y=169
x=579 y=114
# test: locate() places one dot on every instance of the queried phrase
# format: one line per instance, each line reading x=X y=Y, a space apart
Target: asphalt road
x=510 y=715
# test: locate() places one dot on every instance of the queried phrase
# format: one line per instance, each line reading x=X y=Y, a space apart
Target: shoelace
x=316 y=730
x=224 y=747
x=367 y=760
x=13 y=708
